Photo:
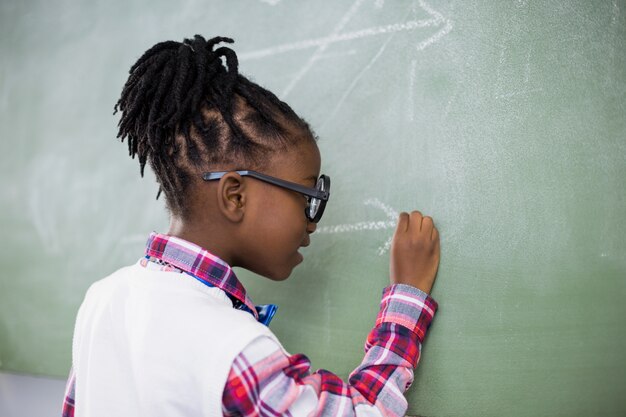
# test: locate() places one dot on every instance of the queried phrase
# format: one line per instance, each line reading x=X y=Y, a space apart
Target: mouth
x=304 y=245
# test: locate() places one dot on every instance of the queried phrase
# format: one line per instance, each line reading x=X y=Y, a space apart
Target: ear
x=231 y=196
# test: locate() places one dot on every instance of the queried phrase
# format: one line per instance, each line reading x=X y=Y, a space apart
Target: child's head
x=187 y=111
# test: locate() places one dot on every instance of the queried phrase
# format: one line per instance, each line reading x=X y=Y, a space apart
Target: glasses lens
x=315 y=203
x=314 y=206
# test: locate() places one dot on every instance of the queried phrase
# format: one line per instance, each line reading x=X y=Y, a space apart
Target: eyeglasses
x=317 y=197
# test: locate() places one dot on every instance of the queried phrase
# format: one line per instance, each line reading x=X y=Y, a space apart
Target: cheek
x=286 y=222
x=282 y=222
x=275 y=246
x=278 y=225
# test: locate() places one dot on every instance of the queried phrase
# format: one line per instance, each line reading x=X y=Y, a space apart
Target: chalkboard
x=504 y=120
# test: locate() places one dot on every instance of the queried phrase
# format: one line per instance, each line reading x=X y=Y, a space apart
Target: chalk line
x=434 y=13
x=438 y=17
x=322 y=43
x=393 y=216
x=518 y=93
x=435 y=38
x=321 y=48
x=355 y=227
x=372 y=225
x=411 y=87
x=389 y=211
x=450 y=102
x=391 y=223
x=355 y=81
x=327 y=40
x=384 y=248
x=615 y=14
x=527 y=68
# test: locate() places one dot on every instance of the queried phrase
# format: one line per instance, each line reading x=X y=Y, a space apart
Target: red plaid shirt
x=267 y=381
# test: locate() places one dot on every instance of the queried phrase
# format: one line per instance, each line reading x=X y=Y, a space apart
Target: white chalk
x=321 y=48
x=390 y=223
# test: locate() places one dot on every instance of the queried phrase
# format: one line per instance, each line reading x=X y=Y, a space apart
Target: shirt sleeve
x=68 y=402
x=266 y=381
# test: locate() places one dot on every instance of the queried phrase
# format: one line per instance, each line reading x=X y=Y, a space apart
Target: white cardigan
x=151 y=343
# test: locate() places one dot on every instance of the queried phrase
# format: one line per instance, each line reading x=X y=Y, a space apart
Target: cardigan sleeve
x=267 y=381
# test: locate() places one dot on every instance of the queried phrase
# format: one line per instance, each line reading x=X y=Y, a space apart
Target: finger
x=416 y=220
x=434 y=234
x=427 y=223
x=403 y=222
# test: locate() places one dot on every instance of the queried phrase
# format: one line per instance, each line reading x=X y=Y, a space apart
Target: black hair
x=184 y=110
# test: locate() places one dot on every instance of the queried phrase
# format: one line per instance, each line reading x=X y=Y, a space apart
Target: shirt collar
x=200 y=263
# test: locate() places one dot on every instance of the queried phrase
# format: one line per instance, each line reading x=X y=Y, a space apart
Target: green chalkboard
x=504 y=120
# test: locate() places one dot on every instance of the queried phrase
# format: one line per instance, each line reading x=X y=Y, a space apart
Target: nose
x=310 y=227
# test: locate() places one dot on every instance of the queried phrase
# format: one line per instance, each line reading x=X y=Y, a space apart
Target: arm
x=266 y=381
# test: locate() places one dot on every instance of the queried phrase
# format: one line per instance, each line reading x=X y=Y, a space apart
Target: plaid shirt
x=267 y=381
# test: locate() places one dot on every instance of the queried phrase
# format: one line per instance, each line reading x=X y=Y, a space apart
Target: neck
x=208 y=235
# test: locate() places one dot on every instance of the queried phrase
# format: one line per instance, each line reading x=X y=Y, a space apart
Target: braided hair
x=184 y=111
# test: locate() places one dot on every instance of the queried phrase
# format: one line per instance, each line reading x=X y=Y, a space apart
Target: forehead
x=298 y=162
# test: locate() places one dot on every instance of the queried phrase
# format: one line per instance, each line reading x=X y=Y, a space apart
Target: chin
x=288 y=267
x=279 y=276
x=279 y=273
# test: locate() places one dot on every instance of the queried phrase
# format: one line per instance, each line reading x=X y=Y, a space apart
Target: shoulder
x=110 y=283
x=115 y=276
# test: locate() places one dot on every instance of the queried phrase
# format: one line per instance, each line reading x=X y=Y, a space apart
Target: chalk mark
x=411 y=105
x=439 y=19
x=518 y=93
x=390 y=223
x=615 y=14
x=436 y=19
x=524 y=79
x=527 y=69
x=355 y=81
x=321 y=48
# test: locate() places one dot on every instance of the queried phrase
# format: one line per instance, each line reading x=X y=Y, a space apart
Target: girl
x=176 y=334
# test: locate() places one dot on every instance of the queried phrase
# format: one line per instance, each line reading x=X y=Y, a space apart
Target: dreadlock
x=183 y=111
